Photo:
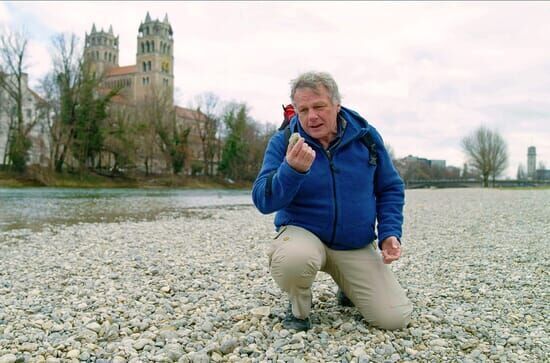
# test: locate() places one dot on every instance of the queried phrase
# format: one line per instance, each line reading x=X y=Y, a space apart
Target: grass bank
x=46 y=178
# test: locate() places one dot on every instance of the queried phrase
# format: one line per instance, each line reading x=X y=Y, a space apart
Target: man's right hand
x=300 y=156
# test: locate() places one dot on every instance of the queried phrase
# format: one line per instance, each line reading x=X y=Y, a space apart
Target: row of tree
x=89 y=129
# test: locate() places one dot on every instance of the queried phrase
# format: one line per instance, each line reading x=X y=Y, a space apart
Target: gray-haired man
x=329 y=189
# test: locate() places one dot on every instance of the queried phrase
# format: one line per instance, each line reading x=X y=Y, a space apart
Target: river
x=32 y=208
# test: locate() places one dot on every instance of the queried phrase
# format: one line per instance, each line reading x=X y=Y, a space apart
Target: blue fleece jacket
x=342 y=196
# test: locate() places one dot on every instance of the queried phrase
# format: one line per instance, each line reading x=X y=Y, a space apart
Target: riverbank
x=197 y=288
x=42 y=178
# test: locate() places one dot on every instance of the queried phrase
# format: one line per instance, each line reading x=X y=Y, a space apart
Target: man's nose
x=312 y=115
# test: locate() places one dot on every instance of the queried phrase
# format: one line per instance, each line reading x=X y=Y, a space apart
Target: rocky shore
x=197 y=289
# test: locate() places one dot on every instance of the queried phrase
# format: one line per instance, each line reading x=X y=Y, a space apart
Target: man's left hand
x=391 y=250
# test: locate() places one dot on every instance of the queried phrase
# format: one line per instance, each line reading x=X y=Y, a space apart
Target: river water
x=32 y=208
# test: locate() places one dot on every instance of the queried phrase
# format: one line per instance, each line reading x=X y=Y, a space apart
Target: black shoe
x=292 y=322
x=343 y=300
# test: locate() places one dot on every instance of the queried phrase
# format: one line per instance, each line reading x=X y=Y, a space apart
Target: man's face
x=317 y=113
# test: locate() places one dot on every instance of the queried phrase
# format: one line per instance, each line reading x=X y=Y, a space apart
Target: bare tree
x=207 y=124
x=13 y=51
x=157 y=111
x=487 y=153
x=521 y=175
x=64 y=83
x=146 y=136
x=391 y=151
x=82 y=106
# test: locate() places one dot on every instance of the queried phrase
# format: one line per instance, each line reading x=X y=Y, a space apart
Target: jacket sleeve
x=390 y=194
x=277 y=183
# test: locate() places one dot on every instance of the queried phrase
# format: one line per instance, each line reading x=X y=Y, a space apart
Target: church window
x=152 y=46
x=114 y=59
x=144 y=67
x=147 y=30
x=149 y=65
x=97 y=55
x=110 y=57
x=93 y=41
x=148 y=46
x=105 y=56
x=142 y=47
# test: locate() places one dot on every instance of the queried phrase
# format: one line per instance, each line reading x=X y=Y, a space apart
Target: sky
x=424 y=74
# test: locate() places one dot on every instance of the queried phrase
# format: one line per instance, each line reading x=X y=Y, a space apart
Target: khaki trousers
x=296 y=255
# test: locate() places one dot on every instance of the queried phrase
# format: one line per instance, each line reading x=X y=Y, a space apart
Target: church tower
x=155 y=59
x=101 y=50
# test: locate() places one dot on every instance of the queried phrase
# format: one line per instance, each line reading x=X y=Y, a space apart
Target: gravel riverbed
x=197 y=289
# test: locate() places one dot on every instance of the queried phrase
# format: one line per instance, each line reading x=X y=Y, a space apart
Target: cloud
x=4 y=17
x=425 y=74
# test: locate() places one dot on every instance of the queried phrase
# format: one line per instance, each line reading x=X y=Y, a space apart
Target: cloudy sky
x=424 y=74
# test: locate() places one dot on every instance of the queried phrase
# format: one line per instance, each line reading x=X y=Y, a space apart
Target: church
x=154 y=68
x=153 y=73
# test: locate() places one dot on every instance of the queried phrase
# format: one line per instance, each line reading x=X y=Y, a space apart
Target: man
x=328 y=190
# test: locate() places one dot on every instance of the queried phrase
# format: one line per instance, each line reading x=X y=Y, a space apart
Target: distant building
x=415 y=159
x=438 y=164
x=154 y=68
x=542 y=174
x=152 y=74
x=33 y=113
x=417 y=168
x=531 y=162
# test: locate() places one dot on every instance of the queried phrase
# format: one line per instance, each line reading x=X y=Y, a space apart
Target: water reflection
x=32 y=208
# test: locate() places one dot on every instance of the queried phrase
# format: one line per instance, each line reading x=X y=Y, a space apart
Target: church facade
x=154 y=68
x=152 y=75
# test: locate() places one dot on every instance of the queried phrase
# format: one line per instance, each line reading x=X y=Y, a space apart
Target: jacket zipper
x=332 y=171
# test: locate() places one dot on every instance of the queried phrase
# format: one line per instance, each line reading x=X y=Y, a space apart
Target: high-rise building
x=531 y=162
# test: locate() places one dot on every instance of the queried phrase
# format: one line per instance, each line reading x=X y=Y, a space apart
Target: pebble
x=75 y=353
x=228 y=345
x=8 y=358
x=197 y=288
x=262 y=311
